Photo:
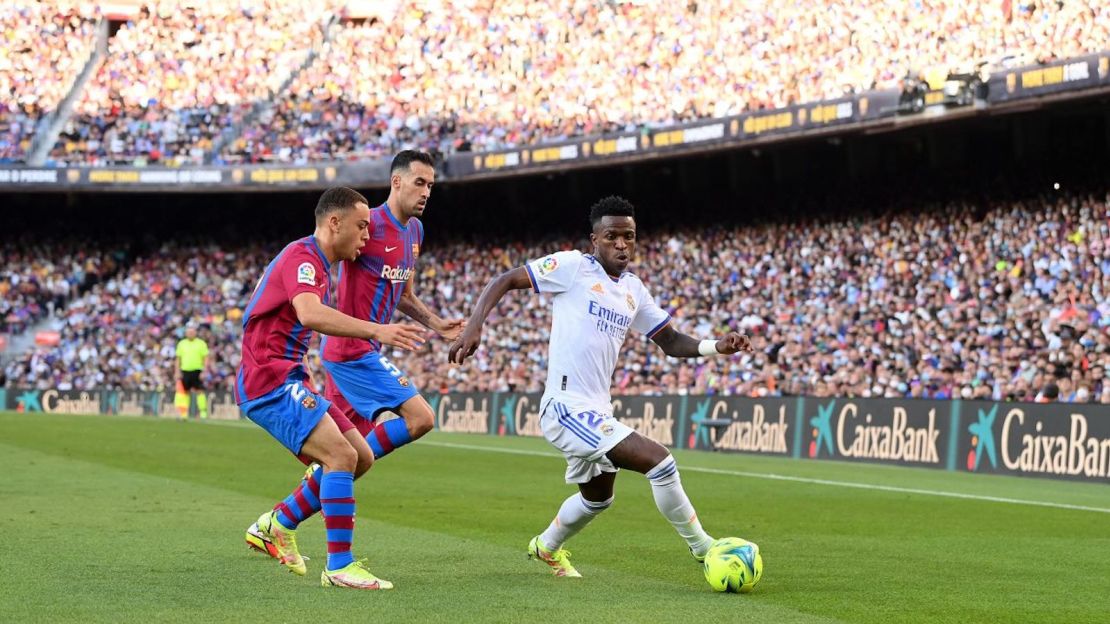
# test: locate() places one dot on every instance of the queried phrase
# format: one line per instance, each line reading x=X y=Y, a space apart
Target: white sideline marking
x=777 y=477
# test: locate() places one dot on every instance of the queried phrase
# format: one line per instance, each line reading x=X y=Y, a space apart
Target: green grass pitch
x=110 y=519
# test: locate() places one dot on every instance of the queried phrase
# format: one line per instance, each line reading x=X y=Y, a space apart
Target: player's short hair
x=338 y=198
x=612 y=206
x=405 y=158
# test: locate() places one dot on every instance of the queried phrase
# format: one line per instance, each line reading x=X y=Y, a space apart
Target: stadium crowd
x=46 y=45
x=969 y=299
x=450 y=76
x=181 y=74
x=37 y=279
x=122 y=332
x=447 y=77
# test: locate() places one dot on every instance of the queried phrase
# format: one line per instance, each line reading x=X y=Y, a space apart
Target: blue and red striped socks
x=302 y=503
x=337 y=498
x=387 y=436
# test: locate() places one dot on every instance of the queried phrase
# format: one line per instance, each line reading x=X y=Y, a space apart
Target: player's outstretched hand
x=734 y=343
x=452 y=329
x=403 y=335
x=465 y=345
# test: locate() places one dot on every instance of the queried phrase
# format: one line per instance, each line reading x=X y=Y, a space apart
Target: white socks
x=573 y=516
x=675 y=506
x=670 y=498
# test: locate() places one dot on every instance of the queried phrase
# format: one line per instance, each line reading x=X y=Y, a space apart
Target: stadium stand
x=445 y=77
x=176 y=77
x=37 y=279
x=975 y=299
x=477 y=76
x=45 y=47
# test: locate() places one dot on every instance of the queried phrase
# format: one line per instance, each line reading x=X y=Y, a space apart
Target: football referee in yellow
x=192 y=356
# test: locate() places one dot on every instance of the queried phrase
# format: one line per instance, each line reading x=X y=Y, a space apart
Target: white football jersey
x=590 y=316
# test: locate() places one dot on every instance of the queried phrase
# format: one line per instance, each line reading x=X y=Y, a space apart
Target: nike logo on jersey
x=389 y=249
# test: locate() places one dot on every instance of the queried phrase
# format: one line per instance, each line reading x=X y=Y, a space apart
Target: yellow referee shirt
x=192 y=353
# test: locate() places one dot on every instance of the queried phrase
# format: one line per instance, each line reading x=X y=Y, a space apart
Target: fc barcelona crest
x=309 y=402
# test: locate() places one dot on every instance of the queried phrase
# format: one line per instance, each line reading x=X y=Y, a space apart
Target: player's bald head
x=337 y=199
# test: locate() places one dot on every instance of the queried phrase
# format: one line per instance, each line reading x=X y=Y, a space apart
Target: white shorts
x=584 y=432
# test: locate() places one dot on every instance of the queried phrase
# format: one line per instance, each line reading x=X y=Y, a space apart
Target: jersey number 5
x=389 y=367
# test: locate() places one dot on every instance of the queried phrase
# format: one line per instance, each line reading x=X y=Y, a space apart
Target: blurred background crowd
x=301 y=80
x=971 y=299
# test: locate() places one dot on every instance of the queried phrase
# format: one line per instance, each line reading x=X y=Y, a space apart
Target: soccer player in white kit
x=596 y=302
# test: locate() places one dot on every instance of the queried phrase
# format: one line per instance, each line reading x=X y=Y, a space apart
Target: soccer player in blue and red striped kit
x=361 y=381
x=288 y=304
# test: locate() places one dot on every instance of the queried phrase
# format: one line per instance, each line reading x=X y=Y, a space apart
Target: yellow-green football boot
x=558 y=561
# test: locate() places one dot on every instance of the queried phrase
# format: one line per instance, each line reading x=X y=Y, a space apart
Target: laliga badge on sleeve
x=306 y=274
x=548 y=265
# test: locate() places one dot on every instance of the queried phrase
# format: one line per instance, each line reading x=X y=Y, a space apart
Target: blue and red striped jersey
x=274 y=341
x=371 y=285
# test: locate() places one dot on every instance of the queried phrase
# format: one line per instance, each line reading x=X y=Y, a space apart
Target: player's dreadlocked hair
x=612 y=206
x=337 y=198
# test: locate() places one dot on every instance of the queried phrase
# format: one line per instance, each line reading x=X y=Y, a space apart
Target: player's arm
x=414 y=308
x=467 y=343
x=313 y=314
x=677 y=344
x=177 y=361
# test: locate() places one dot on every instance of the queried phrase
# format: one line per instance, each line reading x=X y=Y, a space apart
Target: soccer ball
x=733 y=565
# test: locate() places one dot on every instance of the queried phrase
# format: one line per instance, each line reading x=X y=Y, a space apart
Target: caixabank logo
x=1059 y=441
x=876 y=430
x=982 y=439
x=740 y=424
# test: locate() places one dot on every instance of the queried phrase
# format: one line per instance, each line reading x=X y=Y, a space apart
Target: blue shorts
x=371 y=384
x=289 y=413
